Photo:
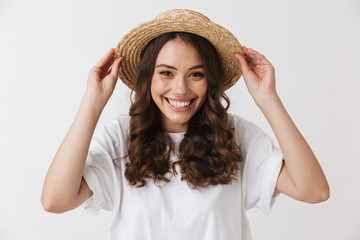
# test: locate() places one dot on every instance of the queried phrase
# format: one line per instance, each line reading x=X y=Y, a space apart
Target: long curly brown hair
x=207 y=153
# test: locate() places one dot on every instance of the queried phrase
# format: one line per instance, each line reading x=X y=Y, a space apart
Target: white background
x=47 y=49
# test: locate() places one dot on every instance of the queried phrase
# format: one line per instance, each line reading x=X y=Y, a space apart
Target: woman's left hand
x=258 y=73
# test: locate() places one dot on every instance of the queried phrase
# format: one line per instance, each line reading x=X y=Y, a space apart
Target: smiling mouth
x=179 y=104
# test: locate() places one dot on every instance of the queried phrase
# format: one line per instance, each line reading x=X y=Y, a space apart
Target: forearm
x=303 y=167
x=64 y=176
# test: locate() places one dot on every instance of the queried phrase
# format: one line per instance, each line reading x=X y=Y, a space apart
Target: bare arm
x=64 y=188
x=301 y=176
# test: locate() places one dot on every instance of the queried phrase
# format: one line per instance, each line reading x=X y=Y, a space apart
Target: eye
x=166 y=73
x=197 y=75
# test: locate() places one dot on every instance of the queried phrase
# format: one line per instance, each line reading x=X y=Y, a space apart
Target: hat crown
x=181 y=13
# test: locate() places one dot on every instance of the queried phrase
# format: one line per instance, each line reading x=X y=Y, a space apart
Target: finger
x=255 y=56
x=115 y=67
x=243 y=63
x=251 y=59
x=106 y=61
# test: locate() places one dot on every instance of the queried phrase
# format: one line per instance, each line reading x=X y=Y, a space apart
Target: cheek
x=157 y=87
x=202 y=88
x=158 y=84
x=154 y=86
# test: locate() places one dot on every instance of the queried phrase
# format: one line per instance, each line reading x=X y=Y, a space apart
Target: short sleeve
x=262 y=162
x=100 y=173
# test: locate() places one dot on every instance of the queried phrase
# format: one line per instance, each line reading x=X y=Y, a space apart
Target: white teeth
x=179 y=104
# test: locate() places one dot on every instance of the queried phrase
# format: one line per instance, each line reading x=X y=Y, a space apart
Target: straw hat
x=179 y=20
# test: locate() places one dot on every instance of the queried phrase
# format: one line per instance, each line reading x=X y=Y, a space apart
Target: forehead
x=178 y=51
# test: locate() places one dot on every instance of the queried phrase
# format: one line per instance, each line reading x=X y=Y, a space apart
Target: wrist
x=272 y=108
x=93 y=102
x=267 y=100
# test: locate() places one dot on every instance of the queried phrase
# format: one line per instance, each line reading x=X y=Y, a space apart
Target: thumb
x=243 y=63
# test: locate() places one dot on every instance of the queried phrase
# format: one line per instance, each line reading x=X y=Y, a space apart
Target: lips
x=179 y=104
x=180 y=107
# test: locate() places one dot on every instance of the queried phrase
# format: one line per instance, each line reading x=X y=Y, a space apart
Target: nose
x=180 y=86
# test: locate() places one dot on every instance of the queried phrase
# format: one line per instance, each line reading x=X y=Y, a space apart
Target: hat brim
x=132 y=44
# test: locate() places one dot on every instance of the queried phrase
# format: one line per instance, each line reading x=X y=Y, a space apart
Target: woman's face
x=179 y=84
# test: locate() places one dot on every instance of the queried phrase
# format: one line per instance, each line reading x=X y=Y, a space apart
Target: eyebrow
x=168 y=66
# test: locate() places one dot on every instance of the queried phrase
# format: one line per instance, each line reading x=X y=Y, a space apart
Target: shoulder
x=235 y=120
x=121 y=122
x=245 y=131
x=116 y=128
x=111 y=137
x=241 y=124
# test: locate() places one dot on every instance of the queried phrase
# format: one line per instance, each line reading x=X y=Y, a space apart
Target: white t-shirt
x=175 y=211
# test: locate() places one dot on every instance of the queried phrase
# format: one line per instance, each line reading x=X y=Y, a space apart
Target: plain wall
x=48 y=47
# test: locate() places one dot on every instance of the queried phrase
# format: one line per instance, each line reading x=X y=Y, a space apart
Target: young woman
x=179 y=166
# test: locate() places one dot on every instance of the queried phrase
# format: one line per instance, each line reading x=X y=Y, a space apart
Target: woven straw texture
x=179 y=20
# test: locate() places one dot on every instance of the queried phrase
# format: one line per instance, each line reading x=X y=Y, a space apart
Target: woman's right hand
x=64 y=187
x=103 y=77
